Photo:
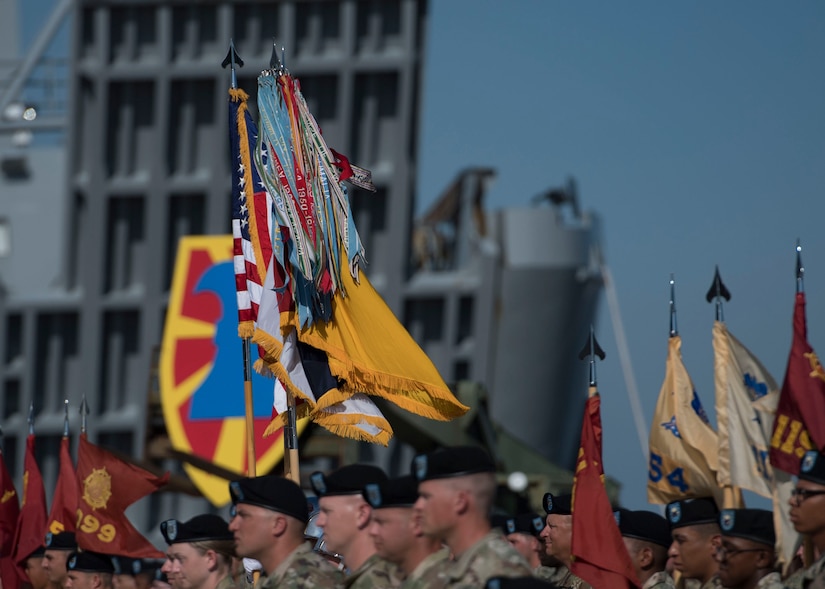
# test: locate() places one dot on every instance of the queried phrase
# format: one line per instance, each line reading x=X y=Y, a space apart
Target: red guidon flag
x=601 y=559
x=107 y=486
x=64 y=506
x=31 y=525
x=9 y=511
x=800 y=416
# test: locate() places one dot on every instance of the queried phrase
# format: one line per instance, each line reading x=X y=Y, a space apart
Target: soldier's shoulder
x=377 y=574
x=309 y=570
x=493 y=556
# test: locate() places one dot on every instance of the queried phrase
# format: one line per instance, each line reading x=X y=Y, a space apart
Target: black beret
x=558 y=504
x=644 y=525
x=37 y=552
x=60 y=541
x=751 y=524
x=528 y=582
x=89 y=562
x=691 y=512
x=135 y=566
x=398 y=492
x=347 y=480
x=455 y=461
x=198 y=529
x=812 y=467
x=271 y=492
x=524 y=523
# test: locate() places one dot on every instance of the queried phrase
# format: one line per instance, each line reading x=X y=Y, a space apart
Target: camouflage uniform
x=375 y=573
x=713 y=583
x=811 y=578
x=770 y=581
x=430 y=572
x=545 y=573
x=565 y=579
x=303 y=569
x=226 y=583
x=660 y=580
x=492 y=556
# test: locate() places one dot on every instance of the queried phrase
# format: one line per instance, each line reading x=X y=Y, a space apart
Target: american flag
x=251 y=214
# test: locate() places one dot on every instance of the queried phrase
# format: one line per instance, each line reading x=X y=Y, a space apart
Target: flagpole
x=232 y=59
x=808 y=555
x=731 y=494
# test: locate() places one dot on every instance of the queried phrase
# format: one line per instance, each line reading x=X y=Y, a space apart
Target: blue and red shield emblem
x=201 y=370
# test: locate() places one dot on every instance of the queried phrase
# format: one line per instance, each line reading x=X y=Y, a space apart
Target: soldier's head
x=56 y=553
x=344 y=513
x=647 y=538
x=455 y=484
x=694 y=529
x=199 y=550
x=558 y=530
x=89 y=570
x=808 y=499
x=523 y=534
x=267 y=511
x=33 y=566
x=393 y=526
x=134 y=573
x=746 y=553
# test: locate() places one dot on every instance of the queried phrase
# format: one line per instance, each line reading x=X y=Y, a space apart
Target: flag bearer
x=558 y=539
x=747 y=555
x=808 y=517
x=647 y=538
x=200 y=553
x=694 y=527
x=456 y=492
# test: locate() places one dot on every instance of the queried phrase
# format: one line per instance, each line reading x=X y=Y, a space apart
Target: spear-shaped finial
x=66 y=418
x=718 y=291
x=232 y=59
x=31 y=418
x=84 y=411
x=275 y=63
x=592 y=349
x=800 y=269
x=674 y=330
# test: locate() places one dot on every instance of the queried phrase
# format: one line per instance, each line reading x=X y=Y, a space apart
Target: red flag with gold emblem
x=107 y=486
x=800 y=416
x=64 y=505
x=9 y=512
x=31 y=525
x=600 y=559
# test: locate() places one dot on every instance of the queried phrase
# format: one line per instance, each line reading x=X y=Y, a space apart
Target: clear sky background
x=696 y=130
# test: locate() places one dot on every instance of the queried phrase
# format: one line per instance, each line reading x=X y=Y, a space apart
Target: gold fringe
x=279 y=421
x=346 y=426
x=238 y=95
x=246 y=329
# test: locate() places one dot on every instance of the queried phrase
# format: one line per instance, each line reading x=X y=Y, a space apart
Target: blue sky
x=696 y=130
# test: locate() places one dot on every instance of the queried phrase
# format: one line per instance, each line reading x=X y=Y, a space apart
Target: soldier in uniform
x=808 y=517
x=200 y=552
x=694 y=527
x=33 y=565
x=57 y=550
x=558 y=537
x=456 y=491
x=398 y=536
x=133 y=573
x=89 y=570
x=646 y=536
x=747 y=556
x=522 y=532
x=345 y=518
x=270 y=514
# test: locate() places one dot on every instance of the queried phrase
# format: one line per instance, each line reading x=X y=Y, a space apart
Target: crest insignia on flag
x=674 y=512
x=97 y=488
x=319 y=485
x=671 y=427
x=727 y=519
x=420 y=462
x=808 y=461
x=538 y=524
x=511 y=526
x=373 y=494
x=199 y=355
